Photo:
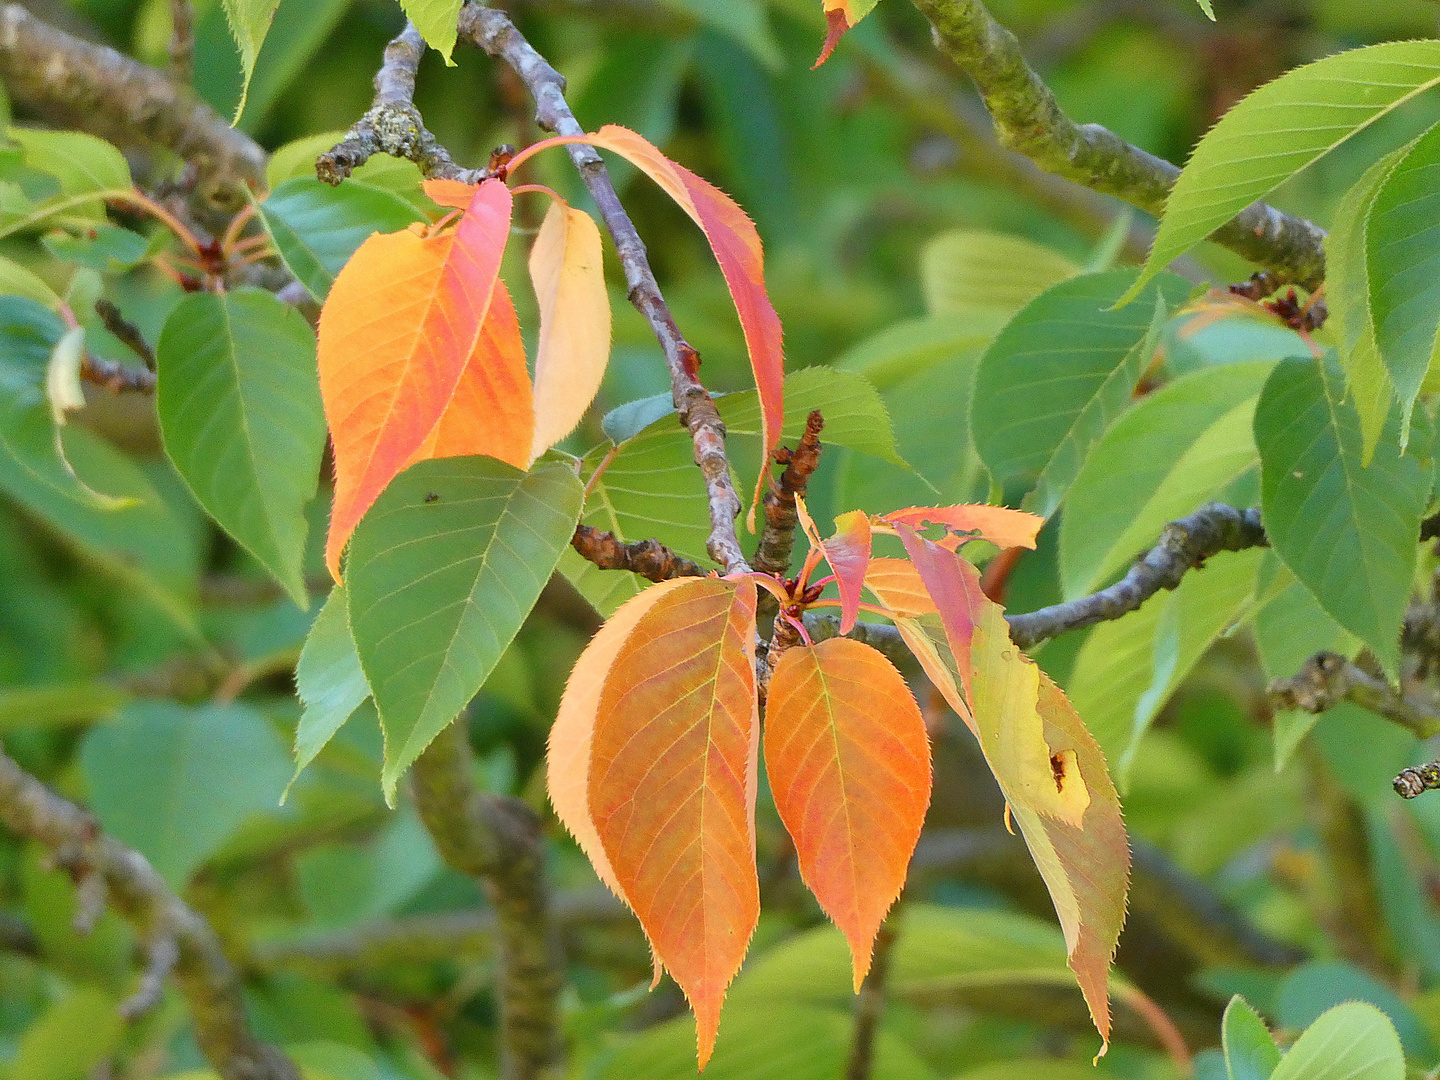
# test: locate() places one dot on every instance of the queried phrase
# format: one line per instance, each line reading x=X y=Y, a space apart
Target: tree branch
x=182 y=41
x=498 y=840
x=648 y=558
x=99 y=90
x=1029 y=120
x=393 y=125
x=177 y=936
x=493 y=32
x=1328 y=679
x=1184 y=545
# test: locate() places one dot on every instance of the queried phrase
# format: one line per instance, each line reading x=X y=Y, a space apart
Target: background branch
x=498 y=840
x=1328 y=679
x=96 y=89
x=1029 y=120
x=178 y=937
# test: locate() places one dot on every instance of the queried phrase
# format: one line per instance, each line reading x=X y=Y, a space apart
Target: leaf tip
x=835 y=26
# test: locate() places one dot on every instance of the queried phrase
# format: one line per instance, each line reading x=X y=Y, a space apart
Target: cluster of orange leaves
x=654 y=756
x=420 y=351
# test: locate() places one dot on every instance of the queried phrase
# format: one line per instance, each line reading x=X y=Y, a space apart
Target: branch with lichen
x=97 y=89
x=1030 y=121
x=178 y=942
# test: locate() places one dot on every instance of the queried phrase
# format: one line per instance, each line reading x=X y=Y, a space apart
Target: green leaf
x=436 y=20
x=1209 y=11
x=346 y=884
x=1167 y=455
x=80 y=162
x=106 y=248
x=773 y=1042
x=1351 y=534
x=176 y=783
x=241 y=417
x=249 y=23
x=1314 y=987
x=1354 y=1041
x=1402 y=245
x=1250 y=1052
x=316 y=227
x=1348 y=295
x=967 y=269
x=649 y=488
x=442 y=572
x=1281 y=128
x=938 y=948
x=1056 y=373
x=743 y=21
x=16 y=280
x=71 y=1038
x=1128 y=668
x=328 y=678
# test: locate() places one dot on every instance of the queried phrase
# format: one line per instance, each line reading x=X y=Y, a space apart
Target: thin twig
x=498 y=840
x=1029 y=121
x=128 y=102
x=205 y=977
x=648 y=558
x=493 y=31
x=117 y=377
x=127 y=332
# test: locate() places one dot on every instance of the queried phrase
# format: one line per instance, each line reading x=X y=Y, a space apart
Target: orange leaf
x=565 y=266
x=490 y=413
x=673 y=775
x=450 y=193
x=849 y=764
x=1002 y=527
x=567 y=763
x=737 y=248
x=896 y=584
x=400 y=325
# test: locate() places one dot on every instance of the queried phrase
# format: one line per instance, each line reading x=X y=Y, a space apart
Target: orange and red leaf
x=840 y=16
x=401 y=323
x=849 y=764
x=1003 y=527
x=574 y=345
x=672 y=784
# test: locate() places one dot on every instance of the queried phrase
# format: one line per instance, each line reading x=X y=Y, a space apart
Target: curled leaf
x=574 y=348
x=1001 y=526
